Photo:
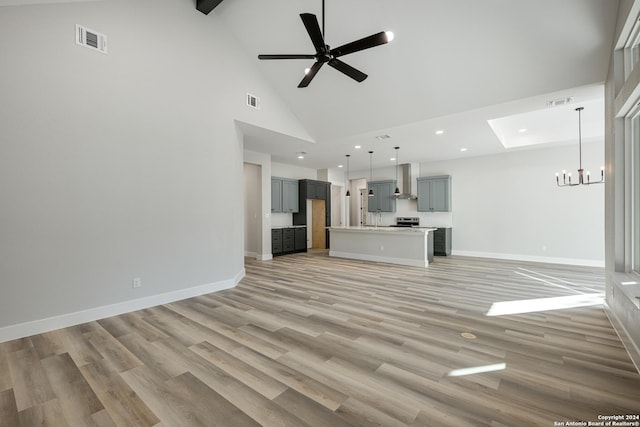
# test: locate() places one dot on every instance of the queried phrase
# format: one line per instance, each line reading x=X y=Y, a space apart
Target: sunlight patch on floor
x=544 y=304
x=477 y=370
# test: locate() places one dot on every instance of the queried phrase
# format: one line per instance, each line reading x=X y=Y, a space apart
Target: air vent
x=91 y=39
x=382 y=137
x=560 y=101
x=253 y=101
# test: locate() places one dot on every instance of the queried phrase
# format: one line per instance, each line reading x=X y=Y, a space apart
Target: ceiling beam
x=206 y=6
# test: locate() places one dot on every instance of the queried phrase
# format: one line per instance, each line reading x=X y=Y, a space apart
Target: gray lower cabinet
x=383 y=199
x=276 y=241
x=288 y=240
x=284 y=195
x=442 y=242
x=300 y=239
x=434 y=194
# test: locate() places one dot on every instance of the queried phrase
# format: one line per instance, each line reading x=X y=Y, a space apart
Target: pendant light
x=581 y=173
x=397 y=192
x=346 y=181
x=370 y=173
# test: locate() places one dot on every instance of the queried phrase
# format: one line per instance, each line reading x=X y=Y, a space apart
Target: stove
x=407 y=221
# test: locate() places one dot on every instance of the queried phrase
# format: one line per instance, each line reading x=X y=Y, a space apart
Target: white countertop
x=383 y=229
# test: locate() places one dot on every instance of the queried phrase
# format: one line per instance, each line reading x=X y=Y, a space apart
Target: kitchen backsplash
x=281 y=219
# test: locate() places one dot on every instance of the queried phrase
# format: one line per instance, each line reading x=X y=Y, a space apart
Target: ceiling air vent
x=560 y=101
x=91 y=39
x=253 y=101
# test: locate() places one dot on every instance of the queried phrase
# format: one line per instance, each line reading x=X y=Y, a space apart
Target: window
x=631 y=151
x=632 y=50
x=635 y=193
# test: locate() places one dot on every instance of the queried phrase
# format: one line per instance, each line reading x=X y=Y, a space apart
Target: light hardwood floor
x=305 y=340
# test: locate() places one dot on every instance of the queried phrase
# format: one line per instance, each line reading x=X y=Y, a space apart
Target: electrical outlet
x=136 y=282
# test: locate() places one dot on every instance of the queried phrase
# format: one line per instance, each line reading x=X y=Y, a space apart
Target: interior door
x=319 y=223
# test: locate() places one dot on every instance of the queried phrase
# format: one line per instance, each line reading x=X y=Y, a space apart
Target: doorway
x=318 y=224
x=252 y=209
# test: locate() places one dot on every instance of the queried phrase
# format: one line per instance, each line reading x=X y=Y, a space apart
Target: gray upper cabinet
x=276 y=195
x=383 y=199
x=434 y=194
x=284 y=195
x=289 y=195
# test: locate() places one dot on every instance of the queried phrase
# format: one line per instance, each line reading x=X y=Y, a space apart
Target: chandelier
x=566 y=177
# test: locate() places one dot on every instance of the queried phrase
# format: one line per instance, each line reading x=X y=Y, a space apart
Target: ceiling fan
x=324 y=54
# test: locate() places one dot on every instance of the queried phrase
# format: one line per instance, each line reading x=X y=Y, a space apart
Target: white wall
x=510 y=207
x=282 y=170
x=121 y=165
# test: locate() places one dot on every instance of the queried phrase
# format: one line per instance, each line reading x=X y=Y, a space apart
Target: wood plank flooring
x=308 y=340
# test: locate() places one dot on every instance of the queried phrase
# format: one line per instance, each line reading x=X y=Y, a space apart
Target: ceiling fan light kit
x=325 y=55
x=566 y=177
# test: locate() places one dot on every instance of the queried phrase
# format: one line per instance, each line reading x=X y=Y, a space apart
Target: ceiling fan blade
x=283 y=56
x=365 y=43
x=313 y=28
x=311 y=74
x=356 y=75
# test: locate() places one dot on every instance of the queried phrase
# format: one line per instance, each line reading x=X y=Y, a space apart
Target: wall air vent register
x=560 y=101
x=253 y=101
x=91 y=39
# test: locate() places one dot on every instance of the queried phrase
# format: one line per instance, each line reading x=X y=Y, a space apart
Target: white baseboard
x=629 y=345
x=515 y=257
x=22 y=330
x=259 y=257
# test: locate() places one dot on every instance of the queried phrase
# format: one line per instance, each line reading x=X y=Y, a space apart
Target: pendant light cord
x=580 y=132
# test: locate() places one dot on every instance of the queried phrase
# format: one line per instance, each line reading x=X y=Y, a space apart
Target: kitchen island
x=395 y=245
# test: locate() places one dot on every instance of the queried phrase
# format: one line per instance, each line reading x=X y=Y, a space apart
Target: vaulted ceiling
x=453 y=66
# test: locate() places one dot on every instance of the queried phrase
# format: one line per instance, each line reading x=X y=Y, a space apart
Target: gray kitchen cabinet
x=383 y=199
x=276 y=194
x=442 y=241
x=300 y=239
x=434 y=194
x=276 y=241
x=289 y=195
x=288 y=240
x=312 y=189
x=284 y=195
x=317 y=190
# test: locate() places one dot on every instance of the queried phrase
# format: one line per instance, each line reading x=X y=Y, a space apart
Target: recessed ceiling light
x=439 y=132
x=357 y=147
x=393 y=159
x=340 y=166
x=301 y=154
x=523 y=130
x=463 y=149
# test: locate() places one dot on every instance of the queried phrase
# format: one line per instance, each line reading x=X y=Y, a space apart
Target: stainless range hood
x=408 y=173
